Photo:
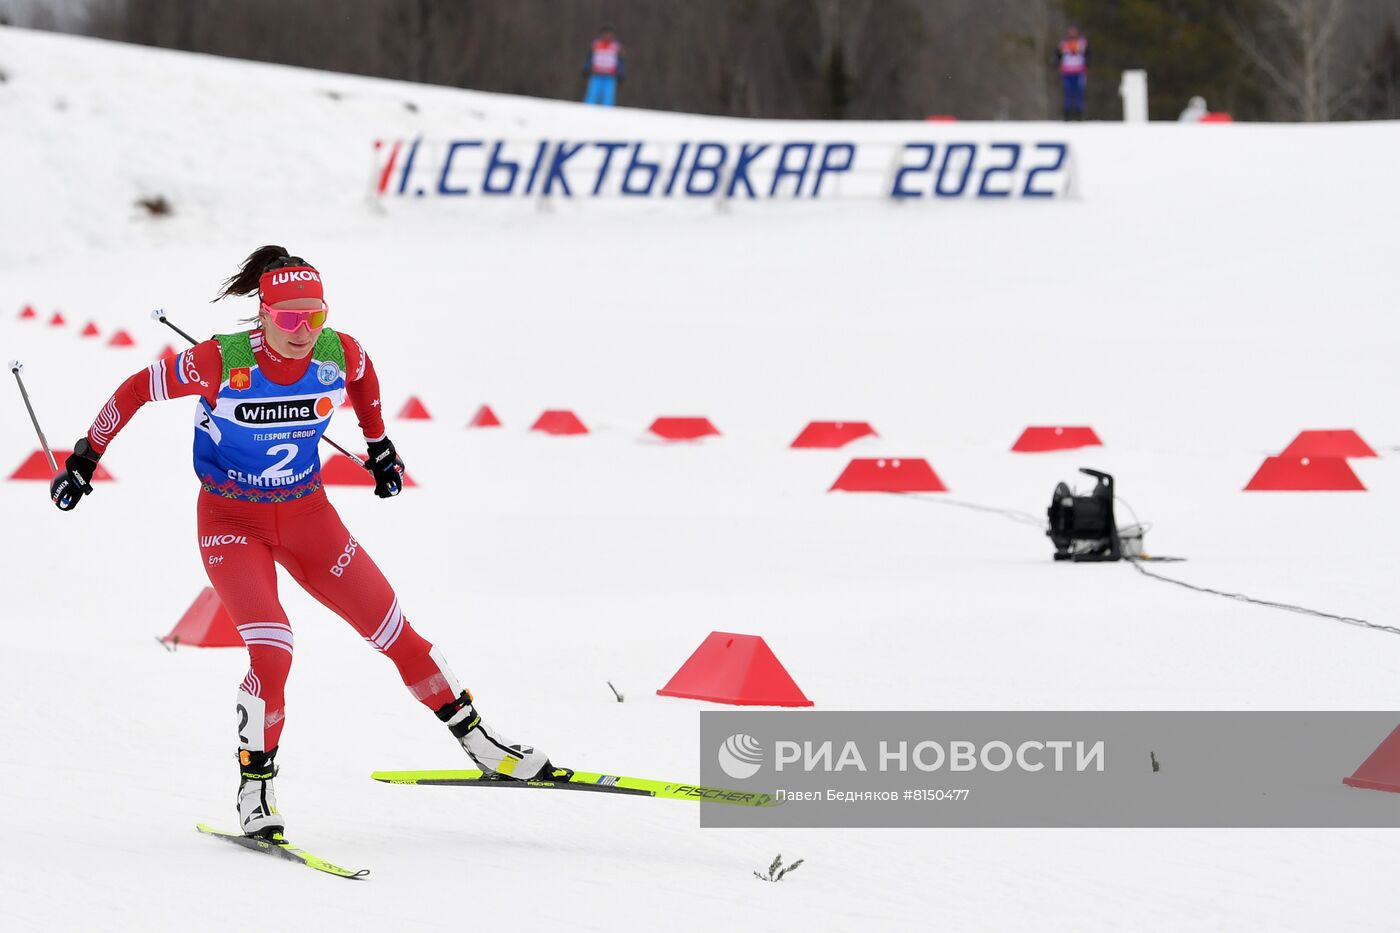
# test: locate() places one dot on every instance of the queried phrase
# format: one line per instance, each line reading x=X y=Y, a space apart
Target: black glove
x=75 y=481
x=386 y=467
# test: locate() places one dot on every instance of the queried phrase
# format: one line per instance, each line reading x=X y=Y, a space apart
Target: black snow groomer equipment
x=1083 y=527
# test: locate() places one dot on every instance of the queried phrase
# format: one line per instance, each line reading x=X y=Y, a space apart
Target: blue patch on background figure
x=1073 y=57
x=606 y=66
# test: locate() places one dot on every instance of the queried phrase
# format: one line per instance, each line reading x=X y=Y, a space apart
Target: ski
x=589 y=781
x=281 y=848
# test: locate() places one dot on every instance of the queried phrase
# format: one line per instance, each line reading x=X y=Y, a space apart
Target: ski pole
x=159 y=315
x=17 y=367
x=363 y=463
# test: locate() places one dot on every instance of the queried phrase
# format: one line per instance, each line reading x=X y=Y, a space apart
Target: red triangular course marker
x=1342 y=442
x=559 y=421
x=90 y=330
x=121 y=339
x=28 y=313
x=1381 y=770
x=737 y=669
x=484 y=418
x=888 y=475
x=833 y=433
x=1305 y=474
x=340 y=470
x=37 y=467
x=683 y=429
x=167 y=353
x=57 y=320
x=414 y=410
x=206 y=624
x=1039 y=439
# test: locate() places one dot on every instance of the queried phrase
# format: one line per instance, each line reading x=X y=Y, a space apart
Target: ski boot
x=493 y=753
x=257 y=803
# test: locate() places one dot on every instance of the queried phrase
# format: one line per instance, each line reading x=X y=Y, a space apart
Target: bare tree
x=1028 y=46
x=1311 y=51
x=1381 y=98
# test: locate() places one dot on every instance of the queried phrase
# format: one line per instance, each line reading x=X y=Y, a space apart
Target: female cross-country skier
x=265 y=396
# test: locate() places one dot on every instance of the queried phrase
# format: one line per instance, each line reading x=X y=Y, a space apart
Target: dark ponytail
x=263 y=259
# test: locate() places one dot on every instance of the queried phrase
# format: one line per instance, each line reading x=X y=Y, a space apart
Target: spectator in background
x=606 y=66
x=1074 y=67
x=1195 y=109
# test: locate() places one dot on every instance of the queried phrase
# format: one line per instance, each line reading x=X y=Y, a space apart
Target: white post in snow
x=1133 y=89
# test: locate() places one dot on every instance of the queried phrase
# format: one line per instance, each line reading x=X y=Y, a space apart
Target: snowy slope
x=1215 y=289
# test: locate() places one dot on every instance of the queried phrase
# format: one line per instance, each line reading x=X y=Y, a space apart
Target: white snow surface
x=1207 y=293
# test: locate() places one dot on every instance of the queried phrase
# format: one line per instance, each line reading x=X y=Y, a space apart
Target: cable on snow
x=1026 y=518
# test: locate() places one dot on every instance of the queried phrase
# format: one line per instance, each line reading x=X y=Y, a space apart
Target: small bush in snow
x=156 y=205
x=776 y=871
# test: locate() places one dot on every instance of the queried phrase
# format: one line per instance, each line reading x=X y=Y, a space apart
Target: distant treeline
x=845 y=59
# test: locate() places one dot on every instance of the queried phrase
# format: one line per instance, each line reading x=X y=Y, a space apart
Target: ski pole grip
x=159 y=315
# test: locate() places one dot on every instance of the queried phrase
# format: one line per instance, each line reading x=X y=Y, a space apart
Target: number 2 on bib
x=279 y=469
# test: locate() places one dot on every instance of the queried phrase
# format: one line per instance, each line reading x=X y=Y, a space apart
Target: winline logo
x=284 y=412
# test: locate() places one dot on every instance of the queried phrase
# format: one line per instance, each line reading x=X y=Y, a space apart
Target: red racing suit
x=240 y=541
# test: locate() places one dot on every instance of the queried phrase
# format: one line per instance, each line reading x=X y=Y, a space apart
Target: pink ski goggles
x=291 y=321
